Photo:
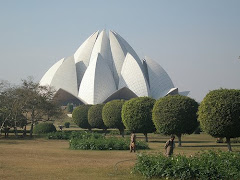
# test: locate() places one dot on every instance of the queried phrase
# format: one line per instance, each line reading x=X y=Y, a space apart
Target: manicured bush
x=59 y=135
x=175 y=115
x=111 y=115
x=137 y=115
x=67 y=124
x=206 y=165
x=74 y=135
x=80 y=116
x=95 y=116
x=219 y=114
x=44 y=128
x=102 y=143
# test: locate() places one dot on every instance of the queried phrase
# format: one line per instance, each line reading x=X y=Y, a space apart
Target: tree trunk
x=229 y=144
x=179 y=140
x=15 y=129
x=24 y=131
x=33 y=118
x=146 y=137
x=121 y=132
x=31 y=130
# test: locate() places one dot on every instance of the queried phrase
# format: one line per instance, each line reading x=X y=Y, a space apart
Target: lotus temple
x=105 y=67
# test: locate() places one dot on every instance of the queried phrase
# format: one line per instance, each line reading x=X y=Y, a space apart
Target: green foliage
x=207 y=165
x=59 y=135
x=44 y=128
x=69 y=107
x=67 y=124
x=80 y=116
x=111 y=114
x=137 y=114
x=219 y=113
x=96 y=141
x=175 y=115
x=95 y=116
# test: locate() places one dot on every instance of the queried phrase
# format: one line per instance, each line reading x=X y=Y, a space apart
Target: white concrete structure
x=105 y=67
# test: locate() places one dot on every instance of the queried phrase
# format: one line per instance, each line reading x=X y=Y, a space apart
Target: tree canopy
x=219 y=114
x=80 y=116
x=111 y=115
x=137 y=115
x=28 y=103
x=95 y=116
x=175 y=115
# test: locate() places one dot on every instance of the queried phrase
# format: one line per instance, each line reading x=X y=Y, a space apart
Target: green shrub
x=206 y=165
x=59 y=135
x=137 y=115
x=219 y=114
x=111 y=115
x=96 y=141
x=111 y=143
x=86 y=135
x=67 y=124
x=175 y=115
x=80 y=116
x=44 y=128
x=95 y=116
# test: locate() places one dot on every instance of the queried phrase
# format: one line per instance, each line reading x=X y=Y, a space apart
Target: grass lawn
x=52 y=159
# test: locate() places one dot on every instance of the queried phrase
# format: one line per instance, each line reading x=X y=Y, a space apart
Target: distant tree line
x=26 y=104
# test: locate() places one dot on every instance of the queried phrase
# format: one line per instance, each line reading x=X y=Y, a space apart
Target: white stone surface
x=118 y=54
x=48 y=76
x=129 y=49
x=102 y=46
x=184 y=93
x=82 y=56
x=66 y=77
x=133 y=78
x=106 y=67
x=97 y=83
x=159 y=81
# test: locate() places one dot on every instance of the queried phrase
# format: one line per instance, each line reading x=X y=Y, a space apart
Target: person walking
x=133 y=143
x=169 y=146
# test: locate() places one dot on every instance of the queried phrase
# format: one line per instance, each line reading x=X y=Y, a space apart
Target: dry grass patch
x=52 y=159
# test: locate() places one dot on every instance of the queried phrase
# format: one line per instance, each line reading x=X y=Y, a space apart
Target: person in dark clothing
x=169 y=146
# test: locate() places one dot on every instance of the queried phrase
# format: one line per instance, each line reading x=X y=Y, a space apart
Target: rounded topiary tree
x=80 y=116
x=137 y=115
x=67 y=124
x=95 y=117
x=111 y=115
x=219 y=114
x=175 y=115
x=44 y=128
x=69 y=107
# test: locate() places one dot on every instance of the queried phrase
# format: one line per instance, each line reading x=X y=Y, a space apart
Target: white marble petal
x=48 y=76
x=97 y=83
x=133 y=78
x=83 y=54
x=159 y=81
x=65 y=77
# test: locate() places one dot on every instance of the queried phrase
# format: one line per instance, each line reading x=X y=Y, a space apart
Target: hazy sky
x=196 y=42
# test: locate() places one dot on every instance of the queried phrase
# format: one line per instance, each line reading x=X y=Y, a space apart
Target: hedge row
x=206 y=165
x=96 y=141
